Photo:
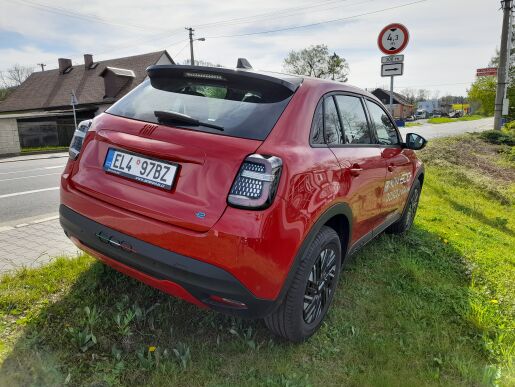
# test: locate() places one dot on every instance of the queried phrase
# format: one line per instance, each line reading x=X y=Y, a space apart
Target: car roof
x=298 y=79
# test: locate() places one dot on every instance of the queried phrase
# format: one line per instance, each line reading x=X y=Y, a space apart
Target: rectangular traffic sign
x=391 y=70
x=392 y=59
x=487 y=72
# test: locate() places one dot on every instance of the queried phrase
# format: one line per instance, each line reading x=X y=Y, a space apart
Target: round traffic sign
x=393 y=39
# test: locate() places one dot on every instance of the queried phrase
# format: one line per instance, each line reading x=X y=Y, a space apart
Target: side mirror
x=415 y=141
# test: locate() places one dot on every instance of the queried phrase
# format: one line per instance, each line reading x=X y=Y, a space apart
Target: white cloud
x=449 y=39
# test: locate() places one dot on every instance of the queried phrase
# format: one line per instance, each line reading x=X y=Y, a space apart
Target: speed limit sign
x=393 y=39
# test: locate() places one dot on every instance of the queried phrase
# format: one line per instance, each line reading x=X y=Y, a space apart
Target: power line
x=181 y=50
x=434 y=85
x=167 y=34
x=280 y=12
x=83 y=16
x=317 y=23
x=290 y=14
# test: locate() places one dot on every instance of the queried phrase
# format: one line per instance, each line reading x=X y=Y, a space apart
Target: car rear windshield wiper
x=166 y=116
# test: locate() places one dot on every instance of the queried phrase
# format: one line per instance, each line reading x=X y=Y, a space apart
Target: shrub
x=499 y=137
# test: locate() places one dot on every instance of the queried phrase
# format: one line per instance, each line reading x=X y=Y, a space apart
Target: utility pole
x=503 y=63
x=391 y=96
x=42 y=66
x=192 y=58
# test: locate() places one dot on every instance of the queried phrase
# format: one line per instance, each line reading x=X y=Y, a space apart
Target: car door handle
x=355 y=170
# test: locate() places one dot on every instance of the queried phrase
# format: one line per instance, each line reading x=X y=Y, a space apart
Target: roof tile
x=49 y=89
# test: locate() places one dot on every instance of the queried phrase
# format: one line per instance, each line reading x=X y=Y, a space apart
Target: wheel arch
x=338 y=217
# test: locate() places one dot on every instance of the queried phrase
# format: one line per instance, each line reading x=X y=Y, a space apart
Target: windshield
x=247 y=111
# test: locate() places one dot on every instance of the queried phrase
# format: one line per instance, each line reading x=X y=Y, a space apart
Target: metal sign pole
x=74 y=117
x=73 y=103
x=391 y=95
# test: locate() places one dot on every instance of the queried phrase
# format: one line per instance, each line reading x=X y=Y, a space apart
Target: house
x=39 y=111
x=429 y=105
x=401 y=106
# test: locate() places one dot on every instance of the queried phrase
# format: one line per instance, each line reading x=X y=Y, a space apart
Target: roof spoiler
x=216 y=74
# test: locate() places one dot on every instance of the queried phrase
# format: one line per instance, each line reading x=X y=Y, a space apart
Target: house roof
x=50 y=90
x=396 y=96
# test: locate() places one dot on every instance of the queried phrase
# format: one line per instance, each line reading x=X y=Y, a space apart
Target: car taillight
x=78 y=138
x=256 y=182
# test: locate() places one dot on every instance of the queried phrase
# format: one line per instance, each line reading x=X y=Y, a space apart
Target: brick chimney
x=88 y=61
x=64 y=64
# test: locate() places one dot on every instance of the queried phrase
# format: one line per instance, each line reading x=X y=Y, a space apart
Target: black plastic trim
x=198 y=278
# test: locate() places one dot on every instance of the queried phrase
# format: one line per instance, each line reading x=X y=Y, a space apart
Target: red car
x=238 y=190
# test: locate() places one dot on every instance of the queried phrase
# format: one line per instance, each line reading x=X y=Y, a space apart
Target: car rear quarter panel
x=312 y=180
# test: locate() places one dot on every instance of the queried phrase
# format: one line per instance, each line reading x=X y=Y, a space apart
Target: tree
x=4 y=92
x=423 y=94
x=337 y=68
x=200 y=62
x=483 y=92
x=315 y=61
x=15 y=76
x=410 y=95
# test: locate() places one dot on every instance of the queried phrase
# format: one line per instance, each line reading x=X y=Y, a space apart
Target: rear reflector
x=228 y=302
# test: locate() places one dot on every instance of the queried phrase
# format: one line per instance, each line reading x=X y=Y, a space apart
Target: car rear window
x=246 y=108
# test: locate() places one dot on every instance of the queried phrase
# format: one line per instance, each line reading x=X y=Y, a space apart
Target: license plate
x=140 y=168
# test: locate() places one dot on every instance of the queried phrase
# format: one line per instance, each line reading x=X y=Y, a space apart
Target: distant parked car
x=410 y=118
x=437 y=113
x=421 y=114
x=456 y=114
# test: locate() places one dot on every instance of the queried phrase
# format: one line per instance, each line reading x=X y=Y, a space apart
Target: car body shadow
x=412 y=292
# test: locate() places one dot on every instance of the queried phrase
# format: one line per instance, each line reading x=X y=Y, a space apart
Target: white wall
x=9 y=140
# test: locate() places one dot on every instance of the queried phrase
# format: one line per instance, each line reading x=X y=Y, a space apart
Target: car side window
x=317 y=127
x=386 y=132
x=354 y=120
x=333 y=129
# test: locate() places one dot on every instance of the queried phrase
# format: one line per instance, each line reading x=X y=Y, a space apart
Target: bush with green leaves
x=499 y=137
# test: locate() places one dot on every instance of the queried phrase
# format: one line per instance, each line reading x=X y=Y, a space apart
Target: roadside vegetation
x=444 y=120
x=434 y=307
x=412 y=124
x=36 y=149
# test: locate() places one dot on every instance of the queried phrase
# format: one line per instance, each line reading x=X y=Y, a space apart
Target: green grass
x=44 y=149
x=444 y=120
x=410 y=124
x=434 y=307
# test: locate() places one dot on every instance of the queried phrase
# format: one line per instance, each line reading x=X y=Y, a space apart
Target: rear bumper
x=176 y=274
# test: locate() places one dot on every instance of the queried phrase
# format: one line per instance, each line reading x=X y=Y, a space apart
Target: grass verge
x=434 y=307
x=444 y=120
x=35 y=149
x=411 y=124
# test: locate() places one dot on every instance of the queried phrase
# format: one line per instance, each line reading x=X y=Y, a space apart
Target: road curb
x=45 y=157
x=21 y=225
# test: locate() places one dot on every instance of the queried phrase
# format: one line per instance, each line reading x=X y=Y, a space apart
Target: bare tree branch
x=15 y=76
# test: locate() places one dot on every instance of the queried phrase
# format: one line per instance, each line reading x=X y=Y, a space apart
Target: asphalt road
x=29 y=190
x=429 y=131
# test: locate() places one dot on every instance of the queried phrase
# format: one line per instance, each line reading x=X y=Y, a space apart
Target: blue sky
x=449 y=38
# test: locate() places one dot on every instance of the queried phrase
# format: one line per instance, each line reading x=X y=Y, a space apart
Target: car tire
x=312 y=290
x=408 y=216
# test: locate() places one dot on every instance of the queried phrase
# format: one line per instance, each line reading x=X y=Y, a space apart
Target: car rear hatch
x=204 y=121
